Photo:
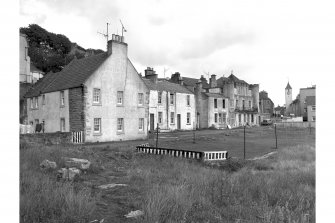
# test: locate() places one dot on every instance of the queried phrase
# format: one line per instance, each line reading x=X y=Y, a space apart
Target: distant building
x=311 y=107
x=288 y=96
x=241 y=99
x=298 y=107
x=279 y=111
x=28 y=72
x=171 y=105
x=101 y=96
x=266 y=106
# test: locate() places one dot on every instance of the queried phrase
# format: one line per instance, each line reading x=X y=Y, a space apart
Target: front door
x=178 y=121
x=198 y=121
x=152 y=122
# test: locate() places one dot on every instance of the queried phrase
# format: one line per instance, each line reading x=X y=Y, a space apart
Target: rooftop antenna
x=105 y=34
x=165 y=69
x=207 y=73
x=123 y=29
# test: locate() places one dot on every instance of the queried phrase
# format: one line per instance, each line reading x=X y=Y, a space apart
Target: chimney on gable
x=175 y=77
x=117 y=45
x=149 y=73
x=203 y=80
x=212 y=81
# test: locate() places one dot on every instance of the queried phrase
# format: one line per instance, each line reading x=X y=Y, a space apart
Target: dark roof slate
x=41 y=84
x=288 y=86
x=233 y=78
x=76 y=72
x=24 y=88
x=166 y=86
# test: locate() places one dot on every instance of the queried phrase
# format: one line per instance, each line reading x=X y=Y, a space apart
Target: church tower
x=288 y=95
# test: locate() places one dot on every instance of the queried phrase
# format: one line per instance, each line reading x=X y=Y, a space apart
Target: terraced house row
x=105 y=98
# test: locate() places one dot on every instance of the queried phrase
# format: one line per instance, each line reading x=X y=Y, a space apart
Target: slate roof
x=76 y=73
x=24 y=88
x=166 y=86
x=221 y=81
x=41 y=84
x=190 y=81
x=288 y=86
x=233 y=78
x=34 y=69
x=310 y=100
x=73 y=75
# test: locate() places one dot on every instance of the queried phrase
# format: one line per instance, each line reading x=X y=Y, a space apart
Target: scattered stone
x=134 y=214
x=68 y=173
x=78 y=163
x=108 y=186
x=97 y=221
x=46 y=164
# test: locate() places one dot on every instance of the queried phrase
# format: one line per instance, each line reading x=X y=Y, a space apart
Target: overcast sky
x=264 y=42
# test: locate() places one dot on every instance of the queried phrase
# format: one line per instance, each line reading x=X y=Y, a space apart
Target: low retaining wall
x=47 y=138
x=296 y=124
x=205 y=156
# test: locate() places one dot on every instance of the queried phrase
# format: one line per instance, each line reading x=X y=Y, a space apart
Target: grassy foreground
x=278 y=189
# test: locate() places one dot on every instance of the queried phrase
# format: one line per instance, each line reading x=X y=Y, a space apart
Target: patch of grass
x=281 y=189
x=43 y=198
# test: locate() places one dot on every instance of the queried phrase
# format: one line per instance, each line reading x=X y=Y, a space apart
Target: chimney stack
x=151 y=74
x=212 y=81
x=175 y=77
x=117 y=43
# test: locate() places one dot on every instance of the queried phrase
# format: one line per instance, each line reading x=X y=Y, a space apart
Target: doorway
x=178 y=121
x=152 y=122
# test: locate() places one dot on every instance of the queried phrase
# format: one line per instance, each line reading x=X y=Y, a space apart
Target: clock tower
x=288 y=95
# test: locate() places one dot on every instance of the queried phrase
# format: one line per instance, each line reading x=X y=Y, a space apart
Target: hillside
x=51 y=52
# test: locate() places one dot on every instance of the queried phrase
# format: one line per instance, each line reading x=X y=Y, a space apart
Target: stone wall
x=76 y=109
x=296 y=124
x=47 y=138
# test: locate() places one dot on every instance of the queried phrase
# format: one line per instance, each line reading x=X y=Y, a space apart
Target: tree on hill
x=47 y=50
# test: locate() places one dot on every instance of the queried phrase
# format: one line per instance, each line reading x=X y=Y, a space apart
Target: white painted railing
x=215 y=155
x=206 y=156
x=77 y=137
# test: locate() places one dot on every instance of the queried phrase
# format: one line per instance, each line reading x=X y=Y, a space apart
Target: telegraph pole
x=244 y=142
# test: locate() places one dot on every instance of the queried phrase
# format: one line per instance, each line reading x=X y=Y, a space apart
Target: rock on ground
x=134 y=214
x=46 y=164
x=78 y=163
x=107 y=186
x=69 y=173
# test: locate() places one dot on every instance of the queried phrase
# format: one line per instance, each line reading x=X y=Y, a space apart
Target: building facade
x=266 y=106
x=171 y=105
x=94 y=95
x=311 y=108
x=241 y=99
x=298 y=107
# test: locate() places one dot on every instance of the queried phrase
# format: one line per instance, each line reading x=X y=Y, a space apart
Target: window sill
x=96 y=104
x=188 y=123
x=141 y=132
x=97 y=133
x=172 y=123
x=120 y=133
x=62 y=106
x=119 y=105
